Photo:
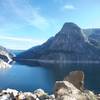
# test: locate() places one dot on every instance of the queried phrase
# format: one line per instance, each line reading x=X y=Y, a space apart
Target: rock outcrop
x=72 y=88
x=5 y=57
x=76 y=78
x=63 y=90
x=69 y=45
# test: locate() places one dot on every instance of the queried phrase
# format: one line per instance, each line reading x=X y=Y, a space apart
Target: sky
x=27 y=23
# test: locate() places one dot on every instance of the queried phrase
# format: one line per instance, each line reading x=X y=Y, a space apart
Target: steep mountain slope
x=92 y=31
x=70 y=44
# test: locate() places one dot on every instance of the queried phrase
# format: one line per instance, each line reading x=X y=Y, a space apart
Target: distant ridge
x=94 y=37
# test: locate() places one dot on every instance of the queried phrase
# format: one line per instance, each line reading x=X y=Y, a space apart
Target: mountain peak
x=70 y=38
x=72 y=32
x=69 y=26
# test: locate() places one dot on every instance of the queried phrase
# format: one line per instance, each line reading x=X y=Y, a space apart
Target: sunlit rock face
x=69 y=44
x=5 y=58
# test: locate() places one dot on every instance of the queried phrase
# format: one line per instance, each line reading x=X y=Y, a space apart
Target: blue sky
x=26 y=23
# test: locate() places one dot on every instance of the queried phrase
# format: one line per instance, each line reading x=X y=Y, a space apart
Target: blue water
x=29 y=78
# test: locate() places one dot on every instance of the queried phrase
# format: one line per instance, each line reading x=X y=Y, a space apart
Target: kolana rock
x=69 y=45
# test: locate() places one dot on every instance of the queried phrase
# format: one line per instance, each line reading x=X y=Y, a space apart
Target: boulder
x=15 y=92
x=21 y=96
x=65 y=90
x=76 y=78
x=30 y=96
x=41 y=94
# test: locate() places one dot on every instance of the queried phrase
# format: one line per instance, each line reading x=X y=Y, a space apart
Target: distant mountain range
x=15 y=52
x=94 y=37
x=69 y=44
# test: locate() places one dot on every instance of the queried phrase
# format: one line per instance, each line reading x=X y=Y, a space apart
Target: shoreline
x=59 y=61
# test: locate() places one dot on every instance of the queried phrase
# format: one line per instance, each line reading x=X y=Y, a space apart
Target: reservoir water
x=29 y=78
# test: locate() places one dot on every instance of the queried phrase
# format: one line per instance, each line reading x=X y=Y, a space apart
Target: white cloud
x=68 y=7
x=29 y=14
x=30 y=40
x=19 y=43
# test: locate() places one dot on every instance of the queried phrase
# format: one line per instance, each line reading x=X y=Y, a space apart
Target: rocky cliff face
x=5 y=57
x=70 y=44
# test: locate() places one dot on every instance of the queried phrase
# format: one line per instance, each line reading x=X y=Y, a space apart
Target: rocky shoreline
x=11 y=94
x=71 y=88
